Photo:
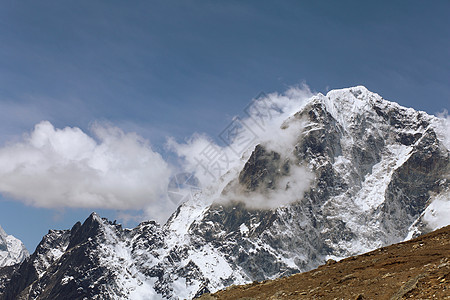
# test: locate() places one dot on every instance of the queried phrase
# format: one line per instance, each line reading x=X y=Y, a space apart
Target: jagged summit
x=346 y=104
x=359 y=173
x=12 y=250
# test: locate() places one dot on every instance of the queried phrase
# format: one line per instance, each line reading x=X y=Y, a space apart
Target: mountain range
x=355 y=172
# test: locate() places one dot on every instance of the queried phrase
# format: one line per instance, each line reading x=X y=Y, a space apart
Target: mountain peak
x=95 y=217
x=359 y=92
x=12 y=250
x=89 y=229
x=2 y=232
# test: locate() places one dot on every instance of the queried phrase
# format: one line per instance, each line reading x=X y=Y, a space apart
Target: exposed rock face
x=49 y=250
x=262 y=170
x=377 y=167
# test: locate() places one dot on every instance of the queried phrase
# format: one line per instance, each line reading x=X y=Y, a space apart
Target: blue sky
x=172 y=68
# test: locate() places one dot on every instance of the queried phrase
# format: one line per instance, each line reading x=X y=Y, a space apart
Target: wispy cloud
x=262 y=122
x=18 y=115
x=443 y=128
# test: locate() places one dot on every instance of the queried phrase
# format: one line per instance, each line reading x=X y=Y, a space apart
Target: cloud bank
x=110 y=169
x=68 y=168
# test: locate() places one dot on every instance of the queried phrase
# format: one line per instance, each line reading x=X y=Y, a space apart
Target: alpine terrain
x=12 y=250
x=357 y=173
x=415 y=269
x=12 y=253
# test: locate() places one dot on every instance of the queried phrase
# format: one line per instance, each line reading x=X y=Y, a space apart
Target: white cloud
x=263 y=122
x=437 y=213
x=443 y=128
x=111 y=169
x=288 y=189
x=189 y=152
x=68 y=168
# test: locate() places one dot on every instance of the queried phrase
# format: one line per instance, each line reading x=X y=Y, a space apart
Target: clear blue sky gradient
x=172 y=68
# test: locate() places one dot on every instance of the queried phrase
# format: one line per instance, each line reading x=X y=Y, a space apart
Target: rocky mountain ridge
x=374 y=170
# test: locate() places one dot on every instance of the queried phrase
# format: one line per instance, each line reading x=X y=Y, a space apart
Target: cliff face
x=375 y=166
x=358 y=174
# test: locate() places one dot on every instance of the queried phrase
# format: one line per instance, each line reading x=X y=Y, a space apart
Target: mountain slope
x=418 y=269
x=12 y=253
x=12 y=250
x=353 y=173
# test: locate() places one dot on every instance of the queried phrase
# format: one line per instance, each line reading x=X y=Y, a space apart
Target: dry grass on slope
x=416 y=269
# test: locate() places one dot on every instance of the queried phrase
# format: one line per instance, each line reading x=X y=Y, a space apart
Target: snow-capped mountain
x=359 y=173
x=12 y=250
x=12 y=253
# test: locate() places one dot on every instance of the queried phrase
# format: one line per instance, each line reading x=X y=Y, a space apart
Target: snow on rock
x=51 y=248
x=243 y=228
x=12 y=250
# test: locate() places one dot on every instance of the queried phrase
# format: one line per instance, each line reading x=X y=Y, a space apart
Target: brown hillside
x=416 y=269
